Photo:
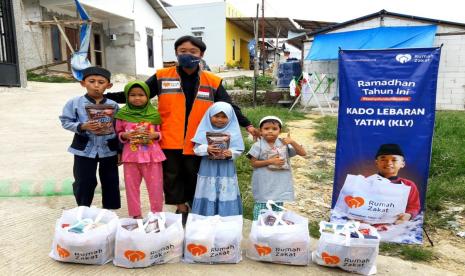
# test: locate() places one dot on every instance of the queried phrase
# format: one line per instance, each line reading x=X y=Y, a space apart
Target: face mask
x=188 y=61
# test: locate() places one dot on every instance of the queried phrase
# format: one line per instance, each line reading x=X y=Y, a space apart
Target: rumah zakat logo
x=354 y=201
x=134 y=255
x=63 y=253
x=262 y=250
x=196 y=249
x=403 y=58
x=330 y=259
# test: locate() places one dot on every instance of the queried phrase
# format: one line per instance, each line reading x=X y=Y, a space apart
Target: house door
x=72 y=35
x=9 y=67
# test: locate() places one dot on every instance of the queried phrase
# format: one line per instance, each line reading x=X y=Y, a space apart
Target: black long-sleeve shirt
x=189 y=85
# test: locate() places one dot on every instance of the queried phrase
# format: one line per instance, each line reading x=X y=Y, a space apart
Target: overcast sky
x=343 y=10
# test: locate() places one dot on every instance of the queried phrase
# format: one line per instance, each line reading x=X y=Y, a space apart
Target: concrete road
x=34 y=162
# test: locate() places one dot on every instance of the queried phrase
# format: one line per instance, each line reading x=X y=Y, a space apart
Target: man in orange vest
x=185 y=92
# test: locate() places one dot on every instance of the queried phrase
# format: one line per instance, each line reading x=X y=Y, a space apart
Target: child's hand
x=276 y=161
x=401 y=218
x=287 y=140
x=153 y=135
x=91 y=126
x=212 y=150
x=126 y=135
x=227 y=153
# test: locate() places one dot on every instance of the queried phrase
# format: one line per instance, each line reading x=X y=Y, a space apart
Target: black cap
x=93 y=70
x=389 y=149
x=195 y=41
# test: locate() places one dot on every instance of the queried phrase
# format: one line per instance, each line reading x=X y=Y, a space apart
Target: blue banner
x=384 y=138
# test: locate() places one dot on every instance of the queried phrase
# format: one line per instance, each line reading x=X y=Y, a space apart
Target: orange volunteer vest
x=172 y=107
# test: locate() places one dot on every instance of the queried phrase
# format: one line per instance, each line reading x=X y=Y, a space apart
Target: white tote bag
x=372 y=200
x=93 y=245
x=339 y=249
x=213 y=239
x=279 y=242
x=137 y=248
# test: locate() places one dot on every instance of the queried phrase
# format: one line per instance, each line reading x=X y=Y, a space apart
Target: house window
x=56 y=44
x=98 y=50
x=150 y=47
x=234 y=49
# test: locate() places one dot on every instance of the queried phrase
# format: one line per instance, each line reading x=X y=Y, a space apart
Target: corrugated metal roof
x=271 y=24
x=298 y=40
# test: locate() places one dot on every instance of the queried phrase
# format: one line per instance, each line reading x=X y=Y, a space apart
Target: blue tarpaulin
x=79 y=59
x=326 y=46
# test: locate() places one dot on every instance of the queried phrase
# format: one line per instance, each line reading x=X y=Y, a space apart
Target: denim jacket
x=85 y=143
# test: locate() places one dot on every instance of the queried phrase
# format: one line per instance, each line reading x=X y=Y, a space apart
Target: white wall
x=120 y=54
x=19 y=43
x=212 y=16
x=128 y=20
x=147 y=18
x=32 y=35
x=451 y=79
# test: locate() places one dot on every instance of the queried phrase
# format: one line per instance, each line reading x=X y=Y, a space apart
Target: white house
x=451 y=79
x=126 y=35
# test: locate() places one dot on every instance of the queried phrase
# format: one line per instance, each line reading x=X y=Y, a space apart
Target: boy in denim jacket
x=89 y=146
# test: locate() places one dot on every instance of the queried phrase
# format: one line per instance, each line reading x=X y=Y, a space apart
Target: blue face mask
x=188 y=61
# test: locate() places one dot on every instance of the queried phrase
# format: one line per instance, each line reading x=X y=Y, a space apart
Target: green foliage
x=264 y=82
x=45 y=78
x=246 y=99
x=326 y=128
x=314 y=229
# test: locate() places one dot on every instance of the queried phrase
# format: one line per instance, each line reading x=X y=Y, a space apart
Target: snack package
x=281 y=152
x=103 y=114
x=138 y=134
x=220 y=140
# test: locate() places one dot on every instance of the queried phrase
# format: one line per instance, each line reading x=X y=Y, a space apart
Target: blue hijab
x=232 y=127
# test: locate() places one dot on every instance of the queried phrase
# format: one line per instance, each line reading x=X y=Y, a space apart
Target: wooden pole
x=64 y=35
x=262 y=54
x=255 y=60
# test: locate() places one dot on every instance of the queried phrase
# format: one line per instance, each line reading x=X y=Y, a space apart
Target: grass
x=45 y=78
x=415 y=253
x=447 y=181
x=243 y=167
x=326 y=128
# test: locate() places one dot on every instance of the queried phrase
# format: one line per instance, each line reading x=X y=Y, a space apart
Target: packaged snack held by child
x=103 y=114
x=138 y=134
x=281 y=152
x=221 y=141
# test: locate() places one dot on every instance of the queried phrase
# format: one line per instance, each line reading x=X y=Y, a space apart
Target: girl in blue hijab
x=217 y=190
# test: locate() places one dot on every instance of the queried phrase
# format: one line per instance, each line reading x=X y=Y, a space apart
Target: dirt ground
x=313 y=187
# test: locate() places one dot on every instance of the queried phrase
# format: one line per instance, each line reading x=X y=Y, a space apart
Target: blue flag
x=79 y=59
